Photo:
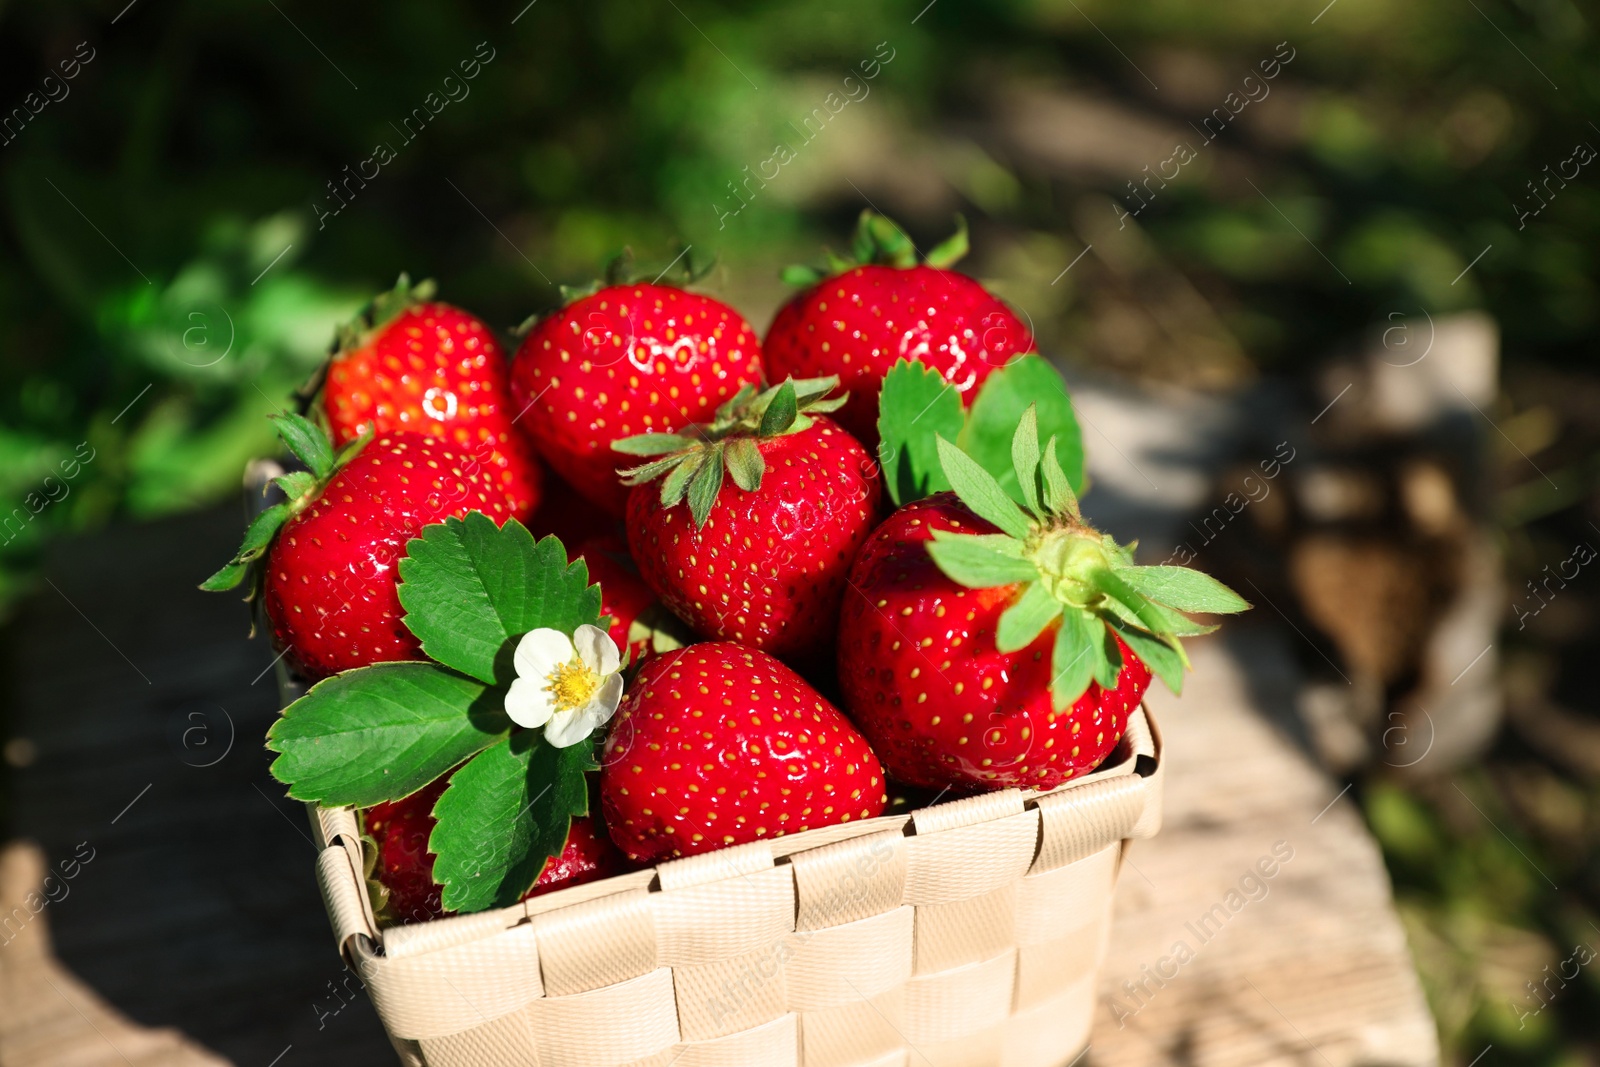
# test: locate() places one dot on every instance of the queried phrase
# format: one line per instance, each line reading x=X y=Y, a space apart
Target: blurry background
x=1367 y=229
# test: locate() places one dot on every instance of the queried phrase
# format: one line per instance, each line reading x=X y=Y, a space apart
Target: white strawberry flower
x=570 y=686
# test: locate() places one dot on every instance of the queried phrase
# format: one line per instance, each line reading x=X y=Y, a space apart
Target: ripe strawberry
x=719 y=744
x=332 y=548
x=404 y=866
x=588 y=856
x=407 y=363
x=401 y=862
x=761 y=560
x=858 y=322
x=984 y=645
x=628 y=359
x=639 y=622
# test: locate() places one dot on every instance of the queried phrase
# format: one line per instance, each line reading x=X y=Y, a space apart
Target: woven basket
x=964 y=934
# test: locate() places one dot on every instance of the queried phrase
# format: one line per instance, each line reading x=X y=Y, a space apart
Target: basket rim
x=1138 y=754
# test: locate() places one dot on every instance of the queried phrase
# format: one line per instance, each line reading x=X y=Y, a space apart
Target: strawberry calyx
x=880 y=240
x=1070 y=574
x=381 y=310
x=310 y=445
x=622 y=269
x=692 y=463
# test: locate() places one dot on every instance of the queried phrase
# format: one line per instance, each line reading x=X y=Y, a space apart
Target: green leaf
x=978 y=490
x=676 y=483
x=885 y=242
x=308 y=443
x=296 y=484
x=259 y=534
x=1058 y=495
x=502 y=816
x=1004 y=544
x=745 y=464
x=736 y=403
x=227 y=578
x=807 y=391
x=966 y=559
x=1025 y=459
x=997 y=411
x=1171 y=621
x=800 y=275
x=917 y=407
x=703 y=489
x=652 y=444
x=649 y=472
x=257 y=538
x=351 y=448
x=1184 y=589
x=838 y=264
x=1025 y=620
x=663 y=630
x=862 y=245
x=1150 y=615
x=382 y=732
x=949 y=251
x=1106 y=658
x=471 y=589
x=1071 y=661
x=1164 y=662
x=781 y=411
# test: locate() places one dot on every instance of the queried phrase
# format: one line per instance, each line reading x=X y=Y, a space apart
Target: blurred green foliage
x=171 y=266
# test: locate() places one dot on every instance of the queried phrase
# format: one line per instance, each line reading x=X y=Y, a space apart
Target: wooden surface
x=1307 y=966
x=199 y=912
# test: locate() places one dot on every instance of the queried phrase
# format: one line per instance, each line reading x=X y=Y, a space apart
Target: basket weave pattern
x=967 y=934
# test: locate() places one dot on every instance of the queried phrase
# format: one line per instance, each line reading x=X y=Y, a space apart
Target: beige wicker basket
x=968 y=933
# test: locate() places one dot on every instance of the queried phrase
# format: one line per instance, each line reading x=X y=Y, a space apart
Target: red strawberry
x=629 y=359
x=760 y=559
x=631 y=604
x=587 y=857
x=409 y=364
x=984 y=645
x=857 y=323
x=330 y=576
x=404 y=866
x=719 y=744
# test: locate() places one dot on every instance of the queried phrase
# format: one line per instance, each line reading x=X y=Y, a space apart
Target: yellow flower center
x=572 y=684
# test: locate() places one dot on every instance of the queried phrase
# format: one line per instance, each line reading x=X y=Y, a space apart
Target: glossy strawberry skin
x=405 y=866
x=719 y=744
x=769 y=566
x=329 y=585
x=629 y=359
x=623 y=594
x=400 y=828
x=438 y=371
x=857 y=324
x=923 y=680
x=587 y=857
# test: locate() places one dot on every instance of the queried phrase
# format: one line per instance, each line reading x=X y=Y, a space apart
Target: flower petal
x=540 y=652
x=528 y=702
x=568 y=728
x=597 y=650
x=604 y=703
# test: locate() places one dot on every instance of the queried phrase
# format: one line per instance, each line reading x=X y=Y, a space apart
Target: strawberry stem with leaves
x=306 y=441
x=1071 y=574
x=692 y=463
x=880 y=240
